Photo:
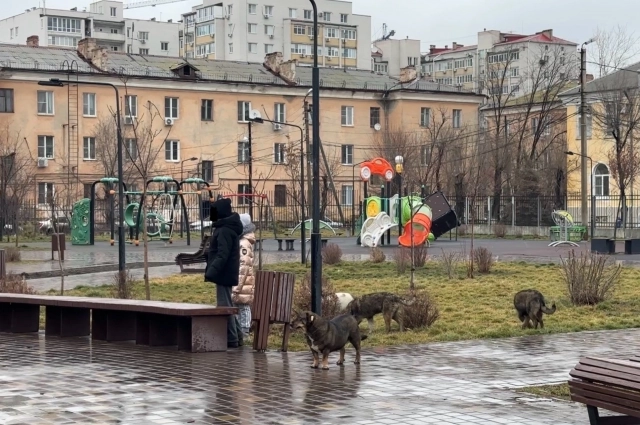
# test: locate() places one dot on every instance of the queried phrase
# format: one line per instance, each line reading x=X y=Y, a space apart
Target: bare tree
x=390 y=143
x=613 y=49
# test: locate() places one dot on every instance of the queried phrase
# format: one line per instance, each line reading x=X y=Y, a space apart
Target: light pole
x=3 y=187
x=181 y=180
x=583 y=131
x=353 y=196
x=303 y=241
x=593 y=200
x=316 y=254
x=248 y=140
x=55 y=82
x=399 y=169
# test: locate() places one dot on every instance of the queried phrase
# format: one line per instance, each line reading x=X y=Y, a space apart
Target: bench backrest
x=273 y=296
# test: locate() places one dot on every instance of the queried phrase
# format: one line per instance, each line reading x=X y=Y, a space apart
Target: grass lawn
x=469 y=308
x=560 y=391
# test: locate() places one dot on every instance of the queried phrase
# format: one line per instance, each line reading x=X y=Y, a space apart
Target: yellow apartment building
x=201 y=111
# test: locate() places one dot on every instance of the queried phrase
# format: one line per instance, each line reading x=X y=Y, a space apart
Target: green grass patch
x=560 y=391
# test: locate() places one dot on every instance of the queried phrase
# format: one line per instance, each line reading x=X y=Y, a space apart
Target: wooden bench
x=289 y=244
x=608 y=384
x=191 y=327
x=200 y=256
x=272 y=303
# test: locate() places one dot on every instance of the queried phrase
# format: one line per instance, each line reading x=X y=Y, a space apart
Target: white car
x=195 y=226
x=46 y=226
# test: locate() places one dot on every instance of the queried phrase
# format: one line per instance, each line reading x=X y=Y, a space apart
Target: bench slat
x=604 y=379
x=614 y=365
x=610 y=395
x=608 y=406
x=600 y=374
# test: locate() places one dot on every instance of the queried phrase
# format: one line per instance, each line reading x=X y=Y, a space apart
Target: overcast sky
x=437 y=22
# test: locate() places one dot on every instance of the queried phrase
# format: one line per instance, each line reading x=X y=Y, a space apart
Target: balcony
x=107 y=36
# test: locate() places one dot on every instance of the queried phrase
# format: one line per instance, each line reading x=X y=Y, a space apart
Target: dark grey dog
x=390 y=305
x=530 y=305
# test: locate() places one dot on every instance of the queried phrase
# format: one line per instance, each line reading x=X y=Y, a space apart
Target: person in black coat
x=223 y=261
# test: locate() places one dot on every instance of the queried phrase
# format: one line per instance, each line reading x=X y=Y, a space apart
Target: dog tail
x=547 y=310
x=363 y=337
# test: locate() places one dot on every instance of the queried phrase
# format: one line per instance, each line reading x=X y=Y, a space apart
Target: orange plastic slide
x=420 y=226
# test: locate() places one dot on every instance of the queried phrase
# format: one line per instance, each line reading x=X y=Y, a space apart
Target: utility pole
x=250 y=174
x=307 y=110
x=583 y=137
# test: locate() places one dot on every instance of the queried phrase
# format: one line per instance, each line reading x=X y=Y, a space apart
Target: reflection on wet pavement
x=76 y=381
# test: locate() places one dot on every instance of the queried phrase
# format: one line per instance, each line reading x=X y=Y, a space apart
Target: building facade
x=246 y=31
x=104 y=21
x=389 y=56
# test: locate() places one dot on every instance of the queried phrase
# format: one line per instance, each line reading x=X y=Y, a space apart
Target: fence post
x=466 y=210
x=539 y=214
x=513 y=211
x=490 y=219
x=3 y=264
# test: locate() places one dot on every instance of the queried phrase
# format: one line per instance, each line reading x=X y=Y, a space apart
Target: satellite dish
x=254 y=114
x=377 y=127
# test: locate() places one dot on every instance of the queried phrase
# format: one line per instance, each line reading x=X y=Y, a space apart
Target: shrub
x=462 y=230
x=331 y=254
x=422 y=313
x=12 y=254
x=15 y=284
x=591 y=278
x=377 y=255
x=122 y=286
x=402 y=260
x=449 y=263
x=483 y=259
x=302 y=297
x=518 y=233
x=500 y=230
x=419 y=255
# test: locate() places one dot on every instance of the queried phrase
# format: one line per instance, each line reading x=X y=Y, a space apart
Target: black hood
x=232 y=222
x=221 y=209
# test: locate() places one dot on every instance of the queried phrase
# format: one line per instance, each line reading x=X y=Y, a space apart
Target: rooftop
x=540 y=37
x=627 y=78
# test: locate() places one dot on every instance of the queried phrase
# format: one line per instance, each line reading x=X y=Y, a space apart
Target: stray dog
x=343 y=300
x=326 y=336
x=390 y=305
x=530 y=305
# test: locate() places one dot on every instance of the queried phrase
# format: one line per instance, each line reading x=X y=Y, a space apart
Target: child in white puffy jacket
x=243 y=293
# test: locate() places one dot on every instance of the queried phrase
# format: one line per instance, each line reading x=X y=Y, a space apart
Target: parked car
x=195 y=226
x=334 y=224
x=47 y=227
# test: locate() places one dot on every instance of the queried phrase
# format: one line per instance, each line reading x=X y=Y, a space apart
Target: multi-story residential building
x=246 y=31
x=389 y=56
x=104 y=21
x=471 y=66
x=208 y=120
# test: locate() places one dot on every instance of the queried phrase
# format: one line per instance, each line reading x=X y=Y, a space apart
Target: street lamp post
x=303 y=241
x=399 y=169
x=181 y=180
x=55 y=82
x=316 y=254
x=593 y=200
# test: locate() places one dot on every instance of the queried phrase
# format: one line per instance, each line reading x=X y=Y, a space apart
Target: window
x=253 y=9
x=45 y=193
x=61 y=40
x=601 y=176
x=279 y=153
x=349 y=34
x=206 y=110
x=347 y=154
x=230 y=9
x=207 y=171
x=244 y=108
x=425 y=117
x=269 y=29
x=515 y=88
x=114 y=11
x=380 y=67
x=45 y=146
x=374 y=117
x=515 y=72
x=279 y=112
x=349 y=53
x=114 y=48
x=327 y=16
x=130 y=106
x=171 y=106
x=457 y=118
x=347 y=116
x=243 y=152
x=164 y=46
x=244 y=189
x=230 y=47
x=45 y=102
x=143 y=51
x=293 y=13
x=205 y=30
x=64 y=25
x=205 y=49
x=502 y=57
x=172 y=150
x=268 y=10
x=268 y=48
x=280 y=195
x=6 y=100
x=143 y=35
x=16 y=31
x=299 y=29
x=131 y=149
x=347 y=195
x=461 y=79
x=343 y=18
x=114 y=30
x=300 y=49
x=11 y=33
x=89 y=104
x=89 y=149
x=589 y=125
x=252 y=28
x=252 y=47
x=425 y=155
x=331 y=32
x=333 y=52
x=308 y=14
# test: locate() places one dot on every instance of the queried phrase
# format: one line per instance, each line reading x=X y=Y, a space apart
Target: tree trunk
x=145 y=245
x=497 y=193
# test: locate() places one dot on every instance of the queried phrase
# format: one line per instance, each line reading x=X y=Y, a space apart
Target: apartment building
x=246 y=31
x=390 y=56
x=104 y=21
x=470 y=66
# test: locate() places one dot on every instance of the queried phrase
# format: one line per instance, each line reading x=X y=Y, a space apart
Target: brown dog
x=390 y=305
x=326 y=336
x=530 y=305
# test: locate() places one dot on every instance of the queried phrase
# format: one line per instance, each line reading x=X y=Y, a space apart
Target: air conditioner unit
x=168 y=121
x=270 y=35
x=327 y=39
x=266 y=16
x=310 y=37
x=230 y=35
x=320 y=15
x=277 y=127
x=227 y=16
x=43 y=162
x=143 y=41
x=329 y=58
x=302 y=55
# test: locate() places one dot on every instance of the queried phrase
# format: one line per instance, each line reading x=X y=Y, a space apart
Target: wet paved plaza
x=76 y=381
